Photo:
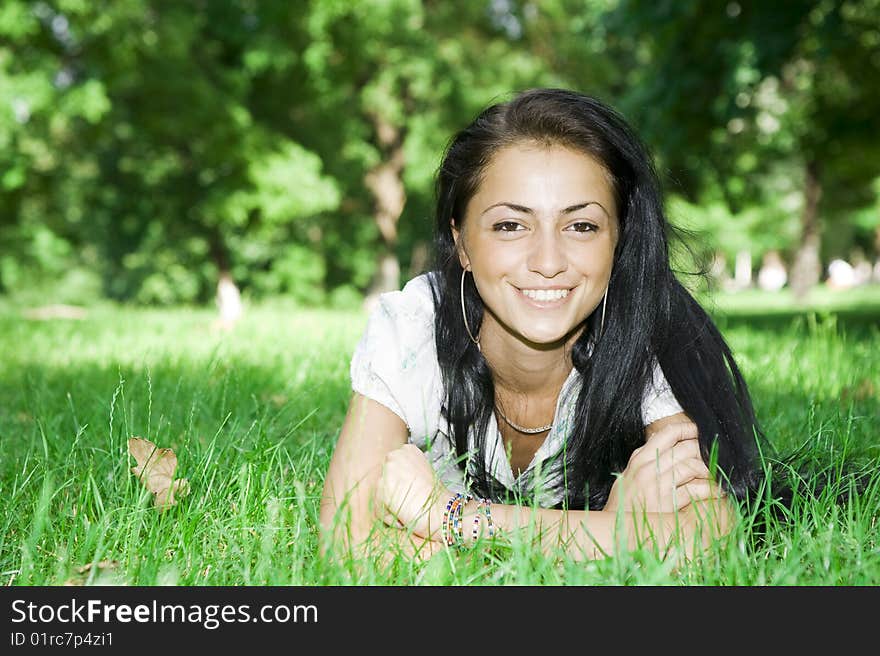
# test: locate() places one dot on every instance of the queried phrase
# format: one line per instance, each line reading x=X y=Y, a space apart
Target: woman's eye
x=506 y=226
x=583 y=226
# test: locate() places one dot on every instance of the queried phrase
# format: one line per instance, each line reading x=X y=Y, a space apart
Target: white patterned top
x=395 y=363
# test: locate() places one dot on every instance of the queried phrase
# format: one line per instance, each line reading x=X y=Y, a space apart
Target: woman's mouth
x=543 y=297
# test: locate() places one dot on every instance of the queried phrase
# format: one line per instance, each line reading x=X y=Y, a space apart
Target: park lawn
x=253 y=415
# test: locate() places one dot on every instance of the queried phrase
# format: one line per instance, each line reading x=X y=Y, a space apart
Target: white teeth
x=545 y=294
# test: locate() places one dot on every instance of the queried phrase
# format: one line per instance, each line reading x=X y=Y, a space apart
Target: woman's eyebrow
x=528 y=210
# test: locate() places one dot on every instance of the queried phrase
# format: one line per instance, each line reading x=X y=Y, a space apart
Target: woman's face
x=539 y=237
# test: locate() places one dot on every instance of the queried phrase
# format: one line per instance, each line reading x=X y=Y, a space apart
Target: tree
x=731 y=92
x=281 y=141
x=151 y=155
x=390 y=80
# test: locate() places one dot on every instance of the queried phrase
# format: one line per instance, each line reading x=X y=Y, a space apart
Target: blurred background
x=163 y=152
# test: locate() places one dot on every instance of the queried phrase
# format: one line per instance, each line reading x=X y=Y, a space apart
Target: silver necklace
x=523 y=429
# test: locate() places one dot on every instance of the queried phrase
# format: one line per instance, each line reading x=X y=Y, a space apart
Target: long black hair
x=650 y=314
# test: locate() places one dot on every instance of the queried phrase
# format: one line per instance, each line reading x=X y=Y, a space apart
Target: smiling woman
x=541 y=261
x=550 y=369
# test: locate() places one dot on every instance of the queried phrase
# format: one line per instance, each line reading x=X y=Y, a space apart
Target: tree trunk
x=228 y=296
x=420 y=259
x=807 y=269
x=385 y=181
x=218 y=250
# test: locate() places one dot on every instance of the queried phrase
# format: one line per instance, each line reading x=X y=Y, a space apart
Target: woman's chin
x=544 y=338
x=550 y=336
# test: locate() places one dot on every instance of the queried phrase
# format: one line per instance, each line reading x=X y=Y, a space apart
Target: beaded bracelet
x=444 y=527
x=475 y=532
x=451 y=527
x=457 y=518
x=483 y=504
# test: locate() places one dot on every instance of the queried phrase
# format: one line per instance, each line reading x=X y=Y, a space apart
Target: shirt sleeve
x=658 y=400
x=390 y=364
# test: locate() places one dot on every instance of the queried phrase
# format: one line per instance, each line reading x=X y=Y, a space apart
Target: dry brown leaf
x=101 y=564
x=101 y=569
x=155 y=469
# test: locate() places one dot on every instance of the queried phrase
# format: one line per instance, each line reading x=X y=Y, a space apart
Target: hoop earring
x=604 y=299
x=464 y=313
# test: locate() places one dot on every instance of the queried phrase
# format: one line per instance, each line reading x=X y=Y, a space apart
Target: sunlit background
x=168 y=167
x=163 y=152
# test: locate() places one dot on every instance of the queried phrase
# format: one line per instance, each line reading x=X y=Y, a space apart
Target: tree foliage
x=769 y=110
x=149 y=145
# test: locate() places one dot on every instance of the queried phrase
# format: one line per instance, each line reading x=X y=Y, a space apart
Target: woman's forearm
x=357 y=530
x=584 y=535
x=591 y=534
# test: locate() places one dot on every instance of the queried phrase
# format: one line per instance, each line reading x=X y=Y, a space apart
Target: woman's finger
x=661 y=491
x=694 y=491
x=673 y=470
x=665 y=439
x=390 y=519
x=680 y=452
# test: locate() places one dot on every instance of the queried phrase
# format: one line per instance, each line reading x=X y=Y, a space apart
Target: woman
x=551 y=359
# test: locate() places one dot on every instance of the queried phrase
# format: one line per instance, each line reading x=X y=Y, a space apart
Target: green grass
x=253 y=416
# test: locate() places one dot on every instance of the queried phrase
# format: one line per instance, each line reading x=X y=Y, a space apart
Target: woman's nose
x=547 y=255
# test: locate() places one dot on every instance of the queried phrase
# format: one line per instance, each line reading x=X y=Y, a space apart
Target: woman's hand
x=385 y=545
x=664 y=475
x=409 y=494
